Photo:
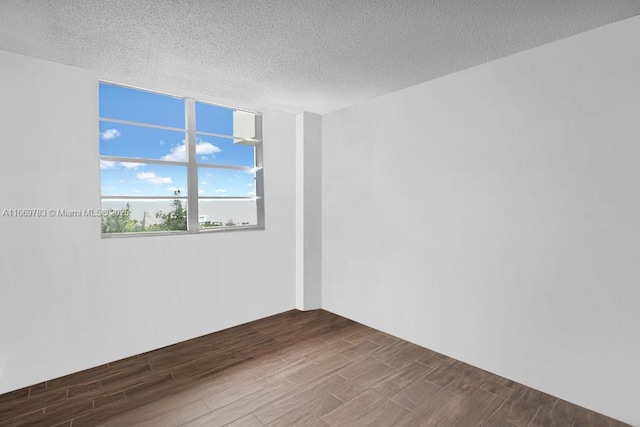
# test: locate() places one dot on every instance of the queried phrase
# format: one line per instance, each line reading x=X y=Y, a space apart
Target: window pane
x=141 y=142
x=214 y=119
x=131 y=215
x=226 y=182
x=226 y=213
x=123 y=103
x=225 y=121
x=223 y=151
x=142 y=179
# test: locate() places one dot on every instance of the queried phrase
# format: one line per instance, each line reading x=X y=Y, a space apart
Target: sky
x=137 y=178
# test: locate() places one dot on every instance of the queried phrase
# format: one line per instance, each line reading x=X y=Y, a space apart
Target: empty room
x=319 y=213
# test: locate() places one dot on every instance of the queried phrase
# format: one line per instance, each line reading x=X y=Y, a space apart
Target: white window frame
x=193 y=226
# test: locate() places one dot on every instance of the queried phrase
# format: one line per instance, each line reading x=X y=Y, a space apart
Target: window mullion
x=192 y=169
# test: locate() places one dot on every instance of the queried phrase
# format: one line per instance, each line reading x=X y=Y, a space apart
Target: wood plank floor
x=297 y=368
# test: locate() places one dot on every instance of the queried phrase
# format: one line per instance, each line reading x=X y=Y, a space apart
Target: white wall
x=70 y=300
x=308 y=211
x=494 y=215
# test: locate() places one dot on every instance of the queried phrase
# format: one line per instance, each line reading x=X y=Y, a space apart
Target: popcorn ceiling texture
x=304 y=55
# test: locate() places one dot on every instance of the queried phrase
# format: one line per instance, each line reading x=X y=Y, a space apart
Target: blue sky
x=138 y=142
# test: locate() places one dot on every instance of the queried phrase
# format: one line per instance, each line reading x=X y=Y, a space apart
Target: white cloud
x=121 y=181
x=136 y=191
x=153 y=178
x=131 y=165
x=145 y=175
x=250 y=184
x=204 y=157
x=204 y=183
x=251 y=193
x=201 y=192
x=221 y=190
x=209 y=175
x=206 y=148
x=109 y=134
x=178 y=153
x=174 y=189
x=106 y=164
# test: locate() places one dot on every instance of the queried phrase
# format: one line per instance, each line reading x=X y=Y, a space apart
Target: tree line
x=173 y=220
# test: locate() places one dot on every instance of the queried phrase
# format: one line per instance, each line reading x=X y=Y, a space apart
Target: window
x=172 y=164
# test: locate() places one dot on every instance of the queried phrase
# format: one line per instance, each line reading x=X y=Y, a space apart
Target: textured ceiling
x=313 y=55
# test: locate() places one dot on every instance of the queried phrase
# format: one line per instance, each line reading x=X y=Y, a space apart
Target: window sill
x=180 y=233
